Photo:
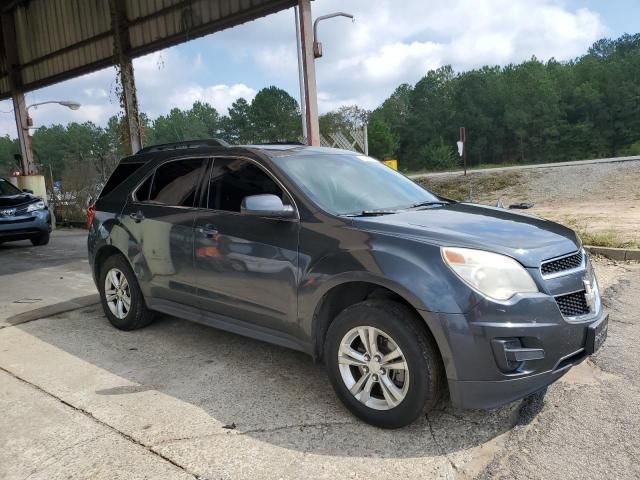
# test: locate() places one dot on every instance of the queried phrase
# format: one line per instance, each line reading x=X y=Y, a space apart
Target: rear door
x=160 y=217
x=247 y=265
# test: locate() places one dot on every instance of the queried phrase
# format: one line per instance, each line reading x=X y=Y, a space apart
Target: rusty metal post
x=121 y=49
x=309 y=74
x=15 y=83
x=26 y=152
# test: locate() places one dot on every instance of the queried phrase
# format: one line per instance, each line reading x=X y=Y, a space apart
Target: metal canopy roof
x=47 y=41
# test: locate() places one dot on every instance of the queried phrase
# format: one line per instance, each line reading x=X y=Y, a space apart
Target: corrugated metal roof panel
x=60 y=39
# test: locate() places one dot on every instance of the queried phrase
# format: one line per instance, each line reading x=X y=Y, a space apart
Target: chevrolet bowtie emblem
x=589 y=294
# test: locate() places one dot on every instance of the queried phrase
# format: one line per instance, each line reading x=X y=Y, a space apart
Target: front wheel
x=40 y=240
x=384 y=366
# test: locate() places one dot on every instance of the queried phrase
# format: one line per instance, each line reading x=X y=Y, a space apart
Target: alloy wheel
x=117 y=293
x=373 y=368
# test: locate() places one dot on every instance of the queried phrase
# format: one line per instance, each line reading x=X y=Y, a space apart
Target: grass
x=476 y=187
x=605 y=238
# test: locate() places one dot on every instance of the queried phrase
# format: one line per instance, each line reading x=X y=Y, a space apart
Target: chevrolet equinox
x=404 y=295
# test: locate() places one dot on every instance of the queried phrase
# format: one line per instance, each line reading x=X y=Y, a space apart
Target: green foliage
x=526 y=113
x=383 y=143
x=439 y=157
x=275 y=116
x=9 y=147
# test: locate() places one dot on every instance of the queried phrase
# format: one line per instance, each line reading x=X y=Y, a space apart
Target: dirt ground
x=601 y=201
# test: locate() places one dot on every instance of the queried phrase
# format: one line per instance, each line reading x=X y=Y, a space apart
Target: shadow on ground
x=259 y=388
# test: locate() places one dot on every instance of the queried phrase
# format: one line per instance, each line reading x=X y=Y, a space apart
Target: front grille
x=5 y=220
x=573 y=304
x=561 y=264
x=21 y=211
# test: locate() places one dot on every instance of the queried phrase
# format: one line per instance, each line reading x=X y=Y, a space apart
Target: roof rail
x=212 y=142
x=282 y=142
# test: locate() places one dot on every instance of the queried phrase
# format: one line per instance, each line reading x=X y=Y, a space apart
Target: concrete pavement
x=42 y=281
x=179 y=400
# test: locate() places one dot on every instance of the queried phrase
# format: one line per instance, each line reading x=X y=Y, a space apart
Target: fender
x=108 y=232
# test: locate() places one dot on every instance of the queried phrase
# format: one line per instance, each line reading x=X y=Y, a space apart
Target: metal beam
x=303 y=109
x=309 y=73
x=128 y=99
x=17 y=94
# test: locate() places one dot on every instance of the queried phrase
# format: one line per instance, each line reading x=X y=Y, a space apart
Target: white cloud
x=391 y=42
x=218 y=96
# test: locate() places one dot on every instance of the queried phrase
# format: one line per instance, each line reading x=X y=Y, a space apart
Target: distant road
x=418 y=176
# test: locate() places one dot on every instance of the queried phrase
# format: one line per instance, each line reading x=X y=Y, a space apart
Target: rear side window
x=174 y=183
x=119 y=175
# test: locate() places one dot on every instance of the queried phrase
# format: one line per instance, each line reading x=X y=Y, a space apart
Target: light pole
x=65 y=103
x=317 y=45
x=309 y=48
x=28 y=162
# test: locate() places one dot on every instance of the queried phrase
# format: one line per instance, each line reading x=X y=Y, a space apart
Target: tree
x=237 y=125
x=9 y=148
x=383 y=142
x=275 y=116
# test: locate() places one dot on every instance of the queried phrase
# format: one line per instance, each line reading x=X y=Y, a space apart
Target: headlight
x=35 y=206
x=497 y=276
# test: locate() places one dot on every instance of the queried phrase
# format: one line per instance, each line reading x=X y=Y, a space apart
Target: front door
x=160 y=217
x=247 y=265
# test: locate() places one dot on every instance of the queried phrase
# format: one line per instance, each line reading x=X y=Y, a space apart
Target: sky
x=363 y=62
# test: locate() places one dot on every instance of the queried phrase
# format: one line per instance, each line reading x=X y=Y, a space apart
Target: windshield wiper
x=370 y=213
x=429 y=203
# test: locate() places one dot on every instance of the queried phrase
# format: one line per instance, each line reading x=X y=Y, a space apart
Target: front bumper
x=25 y=226
x=473 y=348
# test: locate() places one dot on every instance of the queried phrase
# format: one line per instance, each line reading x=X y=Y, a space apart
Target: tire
x=137 y=315
x=396 y=324
x=40 y=240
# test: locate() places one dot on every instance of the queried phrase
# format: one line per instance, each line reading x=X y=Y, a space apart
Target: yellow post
x=35 y=183
x=391 y=163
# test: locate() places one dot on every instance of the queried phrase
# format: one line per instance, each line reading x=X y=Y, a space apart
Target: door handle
x=208 y=230
x=137 y=216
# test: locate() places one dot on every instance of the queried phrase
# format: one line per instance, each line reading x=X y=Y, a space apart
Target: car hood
x=527 y=238
x=7 y=201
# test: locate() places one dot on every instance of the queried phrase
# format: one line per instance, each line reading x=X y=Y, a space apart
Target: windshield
x=351 y=184
x=7 y=188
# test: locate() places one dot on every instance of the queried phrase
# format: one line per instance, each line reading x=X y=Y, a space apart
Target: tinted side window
x=175 y=183
x=233 y=179
x=119 y=175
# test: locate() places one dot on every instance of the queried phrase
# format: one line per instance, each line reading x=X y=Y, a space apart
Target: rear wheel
x=382 y=363
x=40 y=240
x=122 y=300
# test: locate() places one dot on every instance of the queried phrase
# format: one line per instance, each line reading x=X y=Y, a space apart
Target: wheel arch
x=349 y=292
x=101 y=255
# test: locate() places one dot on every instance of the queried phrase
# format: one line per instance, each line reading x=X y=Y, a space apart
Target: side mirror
x=266 y=205
x=26 y=190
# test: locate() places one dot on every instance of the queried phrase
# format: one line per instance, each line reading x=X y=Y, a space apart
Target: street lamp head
x=70 y=104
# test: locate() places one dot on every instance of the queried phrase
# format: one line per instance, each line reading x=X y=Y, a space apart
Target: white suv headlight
x=35 y=206
x=496 y=276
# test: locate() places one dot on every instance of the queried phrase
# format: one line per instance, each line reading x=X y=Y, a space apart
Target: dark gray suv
x=401 y=293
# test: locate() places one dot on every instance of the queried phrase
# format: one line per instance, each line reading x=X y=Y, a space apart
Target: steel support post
x=129 y=98
x=15 y=83
x=309 y=73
